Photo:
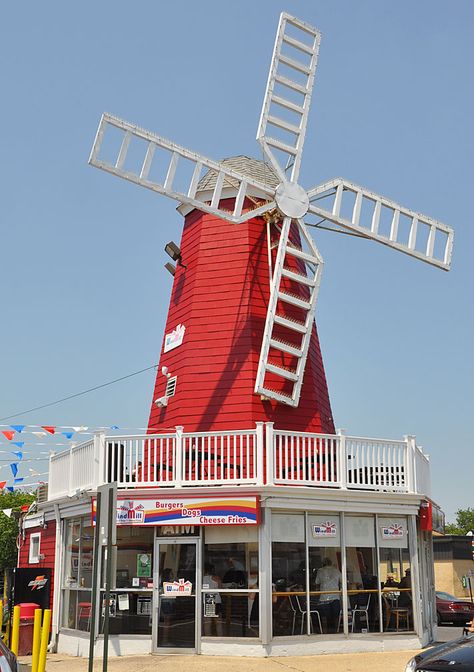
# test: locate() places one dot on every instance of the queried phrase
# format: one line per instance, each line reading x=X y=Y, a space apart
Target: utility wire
x=78 y=394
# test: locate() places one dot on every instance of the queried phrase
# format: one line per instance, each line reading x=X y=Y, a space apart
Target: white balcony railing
x=254 y=457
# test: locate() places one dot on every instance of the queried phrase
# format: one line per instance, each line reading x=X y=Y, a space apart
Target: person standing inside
x=329 y=578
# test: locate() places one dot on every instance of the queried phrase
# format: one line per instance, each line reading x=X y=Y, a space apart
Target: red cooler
x=27 y=617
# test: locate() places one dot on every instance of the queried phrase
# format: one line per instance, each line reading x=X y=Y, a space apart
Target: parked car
x=453 y=610
x=455 y=655
x=7 y=659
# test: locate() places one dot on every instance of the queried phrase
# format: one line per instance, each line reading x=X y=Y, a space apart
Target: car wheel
x=438 y=618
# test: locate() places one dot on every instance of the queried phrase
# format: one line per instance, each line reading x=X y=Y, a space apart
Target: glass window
x=230 y=592
x=395 y=574
x=324 y=541
x=77 y=574
x=362 y=574
x=288 y=572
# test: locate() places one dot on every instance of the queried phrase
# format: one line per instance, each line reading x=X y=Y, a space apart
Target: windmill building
x=246 y=523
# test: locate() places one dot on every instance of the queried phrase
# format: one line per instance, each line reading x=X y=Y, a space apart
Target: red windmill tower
x=240 y=342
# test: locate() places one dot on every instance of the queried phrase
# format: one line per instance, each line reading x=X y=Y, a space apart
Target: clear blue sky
x=83 y=290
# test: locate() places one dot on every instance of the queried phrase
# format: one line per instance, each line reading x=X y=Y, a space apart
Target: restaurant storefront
x=236 y=575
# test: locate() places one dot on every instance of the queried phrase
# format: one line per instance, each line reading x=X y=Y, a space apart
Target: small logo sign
x=325 y=530
x=127 y=512
x=394 y=531
x=176 y=588
x=38 y=583
x=175 y=338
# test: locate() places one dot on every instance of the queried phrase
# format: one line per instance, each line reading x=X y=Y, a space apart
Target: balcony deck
x=256 y=457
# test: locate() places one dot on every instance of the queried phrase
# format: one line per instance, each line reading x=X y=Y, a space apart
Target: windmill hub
x=292 y=200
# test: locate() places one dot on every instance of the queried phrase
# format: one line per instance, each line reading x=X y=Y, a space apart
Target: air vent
x=171 y=387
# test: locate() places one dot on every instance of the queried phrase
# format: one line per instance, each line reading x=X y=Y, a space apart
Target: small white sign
x=136 y=582
x=175 y=338
x=394 y=531
x=325 y=530
x=123 y=603
x=177 y=588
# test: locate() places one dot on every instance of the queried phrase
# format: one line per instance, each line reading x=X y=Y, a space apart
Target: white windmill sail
x=294 y=258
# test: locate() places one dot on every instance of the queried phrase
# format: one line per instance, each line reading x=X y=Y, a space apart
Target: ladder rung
x=297 y=277
x=291 y=84
x=279 y=371
x=296 y=65
x=287 y=322
x=294 y=300
x=285 y=347
x=298 y=45
x=278 y=396
x=275 y=121
x=283 y=102
x=295 y=252
x=281 y=145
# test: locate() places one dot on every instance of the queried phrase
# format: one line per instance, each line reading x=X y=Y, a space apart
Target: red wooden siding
x=47 y=548
x=221 y=298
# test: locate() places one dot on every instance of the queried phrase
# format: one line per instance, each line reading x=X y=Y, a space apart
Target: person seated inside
x=404 y=599
x=235 y=574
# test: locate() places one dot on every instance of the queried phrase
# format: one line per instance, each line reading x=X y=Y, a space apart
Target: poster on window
x=392 y=532
x=210 y=605
x=144 y=565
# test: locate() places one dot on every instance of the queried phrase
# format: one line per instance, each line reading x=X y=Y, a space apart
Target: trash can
x=27 y=617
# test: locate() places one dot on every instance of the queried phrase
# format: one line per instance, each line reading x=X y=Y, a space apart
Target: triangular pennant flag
x=10 y=489
x=2 y=484
x=115 y=427
x=8 y=434
x=49 y=428
x=7 y=512
x=18 y=480
x=18 y=454
x=20 y=444
x=14 y=468
x=39 y=433
x=18 y=428
x=68 y=435
x=80 y=429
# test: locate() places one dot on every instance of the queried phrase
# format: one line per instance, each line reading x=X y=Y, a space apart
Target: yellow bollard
x=44 y=641
x=15 y=630
x=36 y=640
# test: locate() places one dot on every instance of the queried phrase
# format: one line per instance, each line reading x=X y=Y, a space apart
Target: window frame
x=34 y=558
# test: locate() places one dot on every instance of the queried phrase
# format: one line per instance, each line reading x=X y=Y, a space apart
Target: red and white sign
x=130 y=512
x=176 y=588
x=175 y=338
x=324 y=530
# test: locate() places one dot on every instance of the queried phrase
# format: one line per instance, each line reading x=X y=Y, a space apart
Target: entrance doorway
x=176 y=615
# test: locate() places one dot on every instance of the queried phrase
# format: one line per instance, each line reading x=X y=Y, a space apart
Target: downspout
x=53 y=645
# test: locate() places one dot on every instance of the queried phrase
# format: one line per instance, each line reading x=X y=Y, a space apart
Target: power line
x=78 y=394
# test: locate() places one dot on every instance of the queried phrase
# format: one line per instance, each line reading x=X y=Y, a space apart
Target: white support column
x=415 y=549
x=269 y=451
x=259 y=472
x=70 y=470
x=342 y=460
x=99 y=459
x=410 y=462
x=178 y=463
x=265 y=582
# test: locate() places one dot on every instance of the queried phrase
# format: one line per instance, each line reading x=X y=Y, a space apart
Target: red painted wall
x=47 y=548
x=221 y=298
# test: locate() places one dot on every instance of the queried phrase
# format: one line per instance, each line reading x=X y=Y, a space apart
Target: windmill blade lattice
x=158 y=150
x=287 y=99
x=378 y=218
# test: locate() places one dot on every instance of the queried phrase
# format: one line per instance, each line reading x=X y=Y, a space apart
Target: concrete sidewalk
x=390 y=661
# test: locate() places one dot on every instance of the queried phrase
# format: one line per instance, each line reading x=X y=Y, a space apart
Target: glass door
x=175 y=594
